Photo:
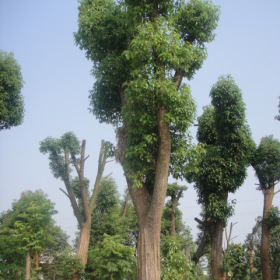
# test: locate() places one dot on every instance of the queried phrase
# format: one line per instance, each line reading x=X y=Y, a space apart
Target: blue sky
x=57 y=81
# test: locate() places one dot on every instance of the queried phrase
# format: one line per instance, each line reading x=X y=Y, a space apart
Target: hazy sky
x=57 y=81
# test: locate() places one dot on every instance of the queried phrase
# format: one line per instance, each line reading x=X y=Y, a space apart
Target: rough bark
x=125 y=205
x=83 y=243
x=36 y=260
x=27 y=265
x=265 y=264
x=216 y=237
x=149 y=207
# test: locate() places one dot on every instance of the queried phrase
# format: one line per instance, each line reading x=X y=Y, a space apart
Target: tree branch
x=64 y=192
x=101 y=166
x=199 y=221
x=276 y=192
x=178 y=77
x=108 y=175
x=87 y=213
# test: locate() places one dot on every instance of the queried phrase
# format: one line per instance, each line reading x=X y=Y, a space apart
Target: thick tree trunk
x=148 y=250
x=216 y=236
x=265 y=265
x=149 y=206
x=83 y=242
x=27 y=265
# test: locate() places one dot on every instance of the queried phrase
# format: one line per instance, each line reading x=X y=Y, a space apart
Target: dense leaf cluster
x=228 y=148
x=11 y=99
x=138 y=54
x=266 y=162
x=27 y=227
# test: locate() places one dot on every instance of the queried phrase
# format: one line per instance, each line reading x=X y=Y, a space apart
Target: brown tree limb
x=101 y=166
x=64 y=192
x=125 y=205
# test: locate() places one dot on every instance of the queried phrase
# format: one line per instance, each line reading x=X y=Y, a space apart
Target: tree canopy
x=27 y=228
x=128 y=47
x=266 y=162
x=11 y=99
x=141 y=51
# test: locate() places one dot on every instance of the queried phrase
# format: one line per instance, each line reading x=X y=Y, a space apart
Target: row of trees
x=141 y=51
x=31 y=242
x=32 y=246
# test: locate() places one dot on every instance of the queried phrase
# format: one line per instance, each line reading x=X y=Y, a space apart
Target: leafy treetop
x=228 y=145
x=11 y=99
x=140 y=56
x=266 y=162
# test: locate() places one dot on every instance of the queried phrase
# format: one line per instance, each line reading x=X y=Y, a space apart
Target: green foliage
x=108 y=196
x=108 y=218
x=64 y=266
x=11 y=99
x=273 y=217
x=253 y=241
x=174 y=189
x=237 y=262
x=135 y=55
x=219 y=209
x=28 y=226
x=228 y=148
x=112 y=260
x=196 y=21
x=266 y=162
x=174 y=263
x=57 y=149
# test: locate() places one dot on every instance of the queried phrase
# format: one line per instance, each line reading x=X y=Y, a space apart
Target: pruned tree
x=175 y=192
x=141 y=51
x=266 y=162
x=222 y=169
x=66 y=153
x=11 y=99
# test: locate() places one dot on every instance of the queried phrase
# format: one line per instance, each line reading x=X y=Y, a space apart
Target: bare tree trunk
x=148 y=250
x=251 y=262
x=28 y=265
x=265 y=264
x=125 y=205
x=149 y=206
x=36 y=259
x=216 y=236
x=83 y=243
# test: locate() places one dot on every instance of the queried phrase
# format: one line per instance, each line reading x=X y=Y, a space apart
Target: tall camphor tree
x=141 y=51
x=222 y=169
x=67 y=152
x=11 y=99
x=266 y=162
